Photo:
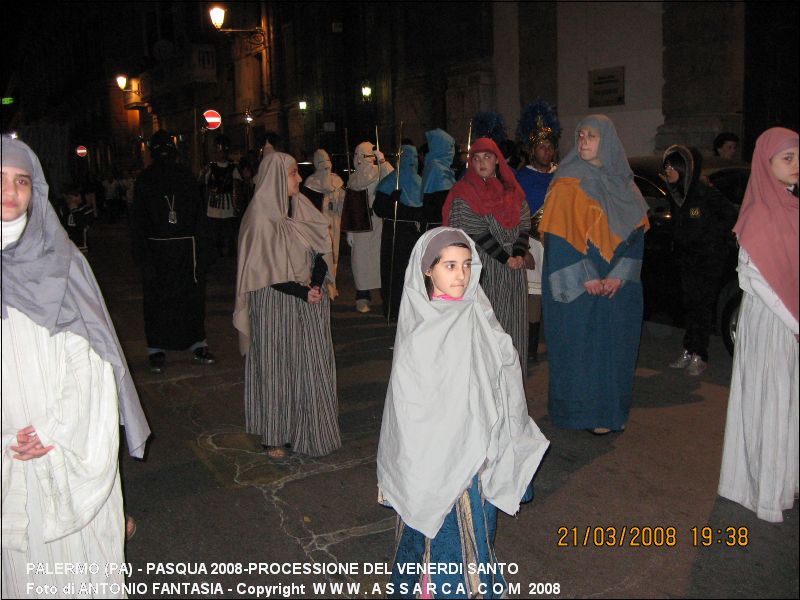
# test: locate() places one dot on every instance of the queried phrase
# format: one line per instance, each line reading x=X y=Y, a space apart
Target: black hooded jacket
x=702 y=216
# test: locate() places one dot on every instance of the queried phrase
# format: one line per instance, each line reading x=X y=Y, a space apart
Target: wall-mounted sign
x=329 y=126
x=213 y=118
x=607 y=87
x=81 y=151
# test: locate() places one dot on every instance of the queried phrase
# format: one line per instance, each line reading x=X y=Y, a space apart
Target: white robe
x=366 y=247
x=63 y=511
x=760 y=453
x=332 y=202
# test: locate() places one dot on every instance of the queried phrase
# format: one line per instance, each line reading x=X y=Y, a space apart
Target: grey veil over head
x=455 y=405
x=45 y=277
x=610 y=184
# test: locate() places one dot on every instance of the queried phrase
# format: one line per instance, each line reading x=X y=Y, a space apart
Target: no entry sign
x=213 y=118
x=81 y=151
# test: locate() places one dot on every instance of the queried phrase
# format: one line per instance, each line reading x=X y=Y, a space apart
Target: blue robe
x=592 y=341
x=535 y=184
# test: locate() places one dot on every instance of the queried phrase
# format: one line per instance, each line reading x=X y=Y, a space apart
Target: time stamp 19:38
x=645 y=536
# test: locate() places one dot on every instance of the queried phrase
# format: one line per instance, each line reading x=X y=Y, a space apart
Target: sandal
x=599 y=431
x=130 y=527
x=277 y=453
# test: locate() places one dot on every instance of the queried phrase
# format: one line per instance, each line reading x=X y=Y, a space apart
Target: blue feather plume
x=535 y=115
x=489 y=124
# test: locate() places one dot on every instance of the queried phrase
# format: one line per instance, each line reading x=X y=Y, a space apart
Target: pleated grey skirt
x=290 y=374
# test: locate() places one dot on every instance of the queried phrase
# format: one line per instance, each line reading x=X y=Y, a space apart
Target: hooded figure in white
x=455 y=406
x=366 y=253
x=326 y=191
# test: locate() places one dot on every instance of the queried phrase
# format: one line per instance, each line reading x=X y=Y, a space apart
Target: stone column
x=505 y=61
x=704 y=63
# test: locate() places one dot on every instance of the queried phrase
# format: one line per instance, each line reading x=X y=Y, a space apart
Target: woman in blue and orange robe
x=593 y=226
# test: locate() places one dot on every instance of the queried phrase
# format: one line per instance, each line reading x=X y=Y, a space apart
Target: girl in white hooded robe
x=456 y=441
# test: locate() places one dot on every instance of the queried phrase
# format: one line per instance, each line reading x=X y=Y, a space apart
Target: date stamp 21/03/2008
x=646 y=536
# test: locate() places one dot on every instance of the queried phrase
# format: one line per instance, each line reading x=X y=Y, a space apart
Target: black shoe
x=157 y=362
x=202 y=356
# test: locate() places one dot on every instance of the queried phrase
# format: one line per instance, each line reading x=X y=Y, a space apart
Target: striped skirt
x=290 y=374
x=506 y=289
x=464 y=548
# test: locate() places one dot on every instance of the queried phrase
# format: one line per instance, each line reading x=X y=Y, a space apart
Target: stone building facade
x=677 y=71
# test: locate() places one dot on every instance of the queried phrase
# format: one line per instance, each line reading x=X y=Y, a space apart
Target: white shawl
x=455 y=404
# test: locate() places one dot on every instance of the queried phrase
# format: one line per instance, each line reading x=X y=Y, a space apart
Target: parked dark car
x=660 y=272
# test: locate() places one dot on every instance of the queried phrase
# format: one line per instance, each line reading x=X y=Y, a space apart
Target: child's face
x=451 y=274
x=484 y=164
x=784 y=166
x=672 y=173
x=17 y=191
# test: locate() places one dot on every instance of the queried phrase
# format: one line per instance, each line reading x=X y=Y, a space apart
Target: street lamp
x=303 y=105
x=366 y=91
x=217 y=15
x=255 y=35
x=123 y=81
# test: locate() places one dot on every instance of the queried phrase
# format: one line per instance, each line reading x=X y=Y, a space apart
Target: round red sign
x=81 y=151
x=213 y=118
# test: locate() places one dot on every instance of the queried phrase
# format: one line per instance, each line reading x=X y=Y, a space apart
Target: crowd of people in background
x=474 y=250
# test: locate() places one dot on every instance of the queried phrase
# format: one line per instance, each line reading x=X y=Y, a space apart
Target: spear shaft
x=394 y=225
x=347 y=151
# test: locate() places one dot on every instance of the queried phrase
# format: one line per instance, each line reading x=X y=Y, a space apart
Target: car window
x=648 y=188
x=731 y=182
x=655 y=197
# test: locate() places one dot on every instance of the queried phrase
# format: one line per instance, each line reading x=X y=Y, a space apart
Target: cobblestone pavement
x=612 y=516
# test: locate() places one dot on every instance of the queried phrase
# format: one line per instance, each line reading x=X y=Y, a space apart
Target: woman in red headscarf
x=760 y=454
x=489 y=205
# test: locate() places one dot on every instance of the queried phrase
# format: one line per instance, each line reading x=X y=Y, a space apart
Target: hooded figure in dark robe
x=171 y=244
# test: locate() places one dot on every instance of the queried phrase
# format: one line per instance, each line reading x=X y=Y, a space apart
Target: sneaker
x=697 y=366
x=157 y=361
x=682 y=362
x=202 y=356
x=362 y=305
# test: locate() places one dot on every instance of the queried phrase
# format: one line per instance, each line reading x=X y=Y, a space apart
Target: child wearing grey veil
x=456 y=441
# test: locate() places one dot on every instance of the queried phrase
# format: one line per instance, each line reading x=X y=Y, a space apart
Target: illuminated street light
x=255 y=35
x=132 y=91
x=217 y=15
x=366 y=91
x=303 y=104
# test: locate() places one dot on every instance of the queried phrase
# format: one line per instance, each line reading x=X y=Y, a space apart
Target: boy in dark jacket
x=702 y=222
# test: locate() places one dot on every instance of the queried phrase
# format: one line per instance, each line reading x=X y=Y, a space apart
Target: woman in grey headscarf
x=593 y=225
x=66 y=388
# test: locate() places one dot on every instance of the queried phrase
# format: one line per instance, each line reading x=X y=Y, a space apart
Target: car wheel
x=729 y=319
